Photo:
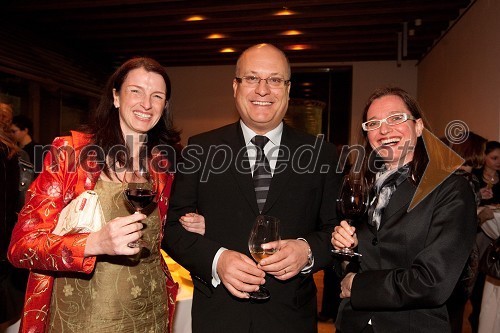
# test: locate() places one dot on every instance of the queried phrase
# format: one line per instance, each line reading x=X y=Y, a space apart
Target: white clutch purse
x=83 y=214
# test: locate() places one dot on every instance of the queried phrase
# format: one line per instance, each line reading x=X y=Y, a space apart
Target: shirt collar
x=274 y=135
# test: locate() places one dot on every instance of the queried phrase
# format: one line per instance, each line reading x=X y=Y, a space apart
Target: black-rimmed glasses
x=393 y=119
x=253 y=81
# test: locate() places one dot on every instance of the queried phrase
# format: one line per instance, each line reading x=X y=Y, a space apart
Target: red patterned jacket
x=33 y=246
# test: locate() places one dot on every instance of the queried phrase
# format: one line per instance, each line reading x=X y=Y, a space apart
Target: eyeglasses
x=393 y=119
x=253 y=81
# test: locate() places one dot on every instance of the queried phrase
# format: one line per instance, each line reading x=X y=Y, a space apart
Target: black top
x=35 y=155
x=9 y=182
x=496 y=188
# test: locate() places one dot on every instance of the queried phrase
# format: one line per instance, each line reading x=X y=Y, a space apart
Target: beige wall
x=460 y=78
x=368 y=76
x=202 y=97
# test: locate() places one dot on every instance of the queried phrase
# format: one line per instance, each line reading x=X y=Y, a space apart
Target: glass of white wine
x=264 y=230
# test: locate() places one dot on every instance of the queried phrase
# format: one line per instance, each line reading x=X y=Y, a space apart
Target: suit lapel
x=240 y=166
x=399 y=200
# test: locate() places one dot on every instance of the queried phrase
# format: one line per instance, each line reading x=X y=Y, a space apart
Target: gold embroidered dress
x=35 y=247
x=125 y=293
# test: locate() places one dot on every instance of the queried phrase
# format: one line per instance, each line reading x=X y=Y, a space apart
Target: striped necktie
x=262 y=171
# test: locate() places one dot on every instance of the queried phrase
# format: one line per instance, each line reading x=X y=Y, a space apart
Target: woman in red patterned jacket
x=89 y=282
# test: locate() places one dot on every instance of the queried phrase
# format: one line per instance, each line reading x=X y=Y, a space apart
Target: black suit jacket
x=412 y=263
x=216 y=181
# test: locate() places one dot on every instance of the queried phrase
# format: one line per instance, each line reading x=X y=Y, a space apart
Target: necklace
x=490 y=179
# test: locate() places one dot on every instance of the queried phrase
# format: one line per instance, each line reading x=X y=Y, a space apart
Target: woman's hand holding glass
x=344 y=236
x=114 y=237
x=486 y=193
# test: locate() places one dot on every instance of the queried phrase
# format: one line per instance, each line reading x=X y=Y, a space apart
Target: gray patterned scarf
x=386 y=183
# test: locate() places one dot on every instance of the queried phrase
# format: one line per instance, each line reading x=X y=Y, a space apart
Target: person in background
x=22 y=131
x=98 y=282
x=6 y=115
x=411 y=260
x=489 y=174
x=304 y=200
x=472 y=151
x=12 y=280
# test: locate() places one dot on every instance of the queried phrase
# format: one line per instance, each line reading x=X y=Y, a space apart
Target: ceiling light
x=306 y=84
x=298 y=47
x=227 y=50
x=284 y=12
x=195 y=18
x=216 y=36
x=291 y=33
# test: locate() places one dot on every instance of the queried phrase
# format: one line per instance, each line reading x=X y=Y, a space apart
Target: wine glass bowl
x=139 y=193
x=264 y=230
x=352 y=204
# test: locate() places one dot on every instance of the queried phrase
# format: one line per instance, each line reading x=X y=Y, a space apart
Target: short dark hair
x=23 y=123
x=490 y=146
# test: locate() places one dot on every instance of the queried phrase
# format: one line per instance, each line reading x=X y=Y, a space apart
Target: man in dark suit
x=215 y=180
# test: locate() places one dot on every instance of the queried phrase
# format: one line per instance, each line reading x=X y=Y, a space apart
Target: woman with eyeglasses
x=411 y=258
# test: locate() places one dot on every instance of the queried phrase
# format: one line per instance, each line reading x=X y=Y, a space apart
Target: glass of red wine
x=139 y=193
x=265 y=230
x=352 y=203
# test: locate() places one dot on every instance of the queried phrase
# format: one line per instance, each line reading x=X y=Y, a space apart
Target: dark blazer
x=412 y=263
x=216 y=181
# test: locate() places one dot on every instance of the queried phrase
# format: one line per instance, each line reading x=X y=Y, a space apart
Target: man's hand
x=239 y=273
x=288 y=261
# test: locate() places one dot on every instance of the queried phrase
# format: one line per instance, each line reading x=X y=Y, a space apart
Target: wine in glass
x=139 y=193
x=264 y=230
x=352 y=204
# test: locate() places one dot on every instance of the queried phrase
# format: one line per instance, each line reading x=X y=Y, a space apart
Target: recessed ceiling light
x=298 y=47
x=216 y=36
x=195 y=18
x=284 y=12
x=291 y=33
x=306 y=84
x=227 y=50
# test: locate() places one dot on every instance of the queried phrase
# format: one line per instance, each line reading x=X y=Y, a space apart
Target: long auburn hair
x=371 y=161
x=104 y=124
